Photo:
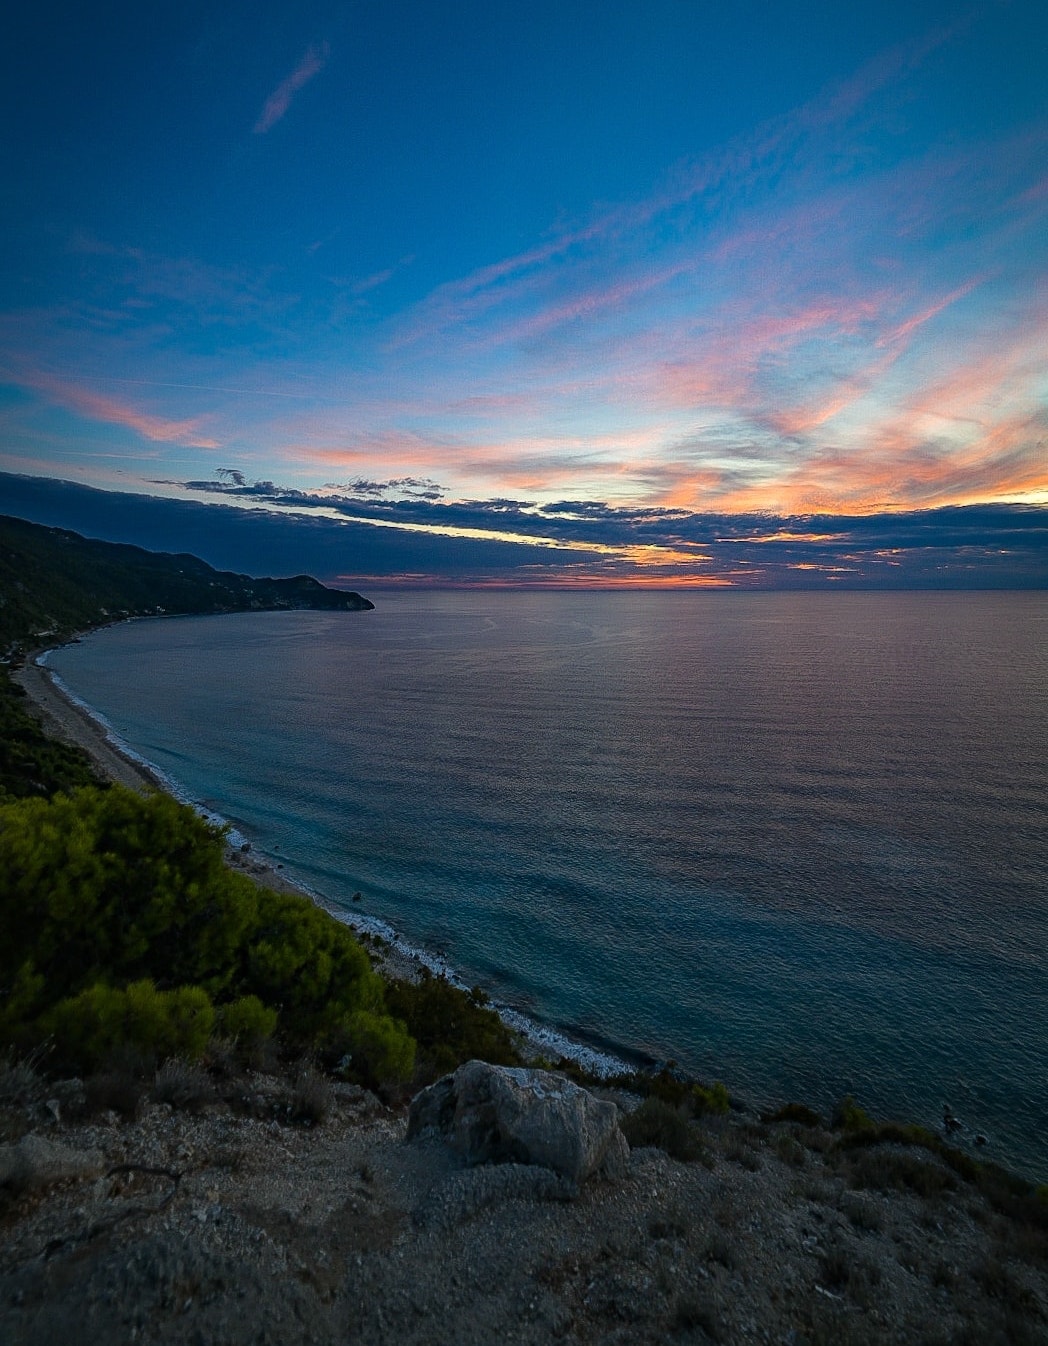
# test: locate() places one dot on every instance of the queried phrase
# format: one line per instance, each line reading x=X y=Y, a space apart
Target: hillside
x=54 y=583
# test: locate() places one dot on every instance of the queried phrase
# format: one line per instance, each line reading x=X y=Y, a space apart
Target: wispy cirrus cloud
x=278 y=102
x=728 y=171
x=85 y=401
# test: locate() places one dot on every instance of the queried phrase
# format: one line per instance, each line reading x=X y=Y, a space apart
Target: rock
x=497 y=1114
x=38 y=1162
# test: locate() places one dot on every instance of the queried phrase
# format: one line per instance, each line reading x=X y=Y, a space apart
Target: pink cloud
x=96 y=407
x=278 y=102
x=906 y=329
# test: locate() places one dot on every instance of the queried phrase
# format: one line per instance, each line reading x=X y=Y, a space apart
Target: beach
x=71 y=723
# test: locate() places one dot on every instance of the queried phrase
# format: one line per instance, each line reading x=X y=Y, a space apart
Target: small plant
x=116 y=1090
x=885 y=1171
x=20 y=1079
x=656 y=1123
x=736 y=1149
x=790 y=1151
x=862 y=1213
x=712 y=1101
x=794 y=1112
x=312 y=1097
x=850 y=1117
x=247 y=1021
x=182 y=1084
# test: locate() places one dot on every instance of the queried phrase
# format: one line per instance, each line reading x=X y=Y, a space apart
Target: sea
x=797 y=842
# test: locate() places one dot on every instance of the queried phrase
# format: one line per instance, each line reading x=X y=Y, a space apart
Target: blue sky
x=482 y=268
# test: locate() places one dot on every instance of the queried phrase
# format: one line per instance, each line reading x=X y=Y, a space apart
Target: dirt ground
x=226 y=1221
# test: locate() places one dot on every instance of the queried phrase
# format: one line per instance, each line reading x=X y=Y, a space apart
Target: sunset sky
x=579 y=274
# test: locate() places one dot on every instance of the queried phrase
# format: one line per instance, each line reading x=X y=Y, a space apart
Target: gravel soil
x=213 y=1226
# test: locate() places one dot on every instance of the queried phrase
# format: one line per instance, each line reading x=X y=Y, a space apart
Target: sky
x=592 y=289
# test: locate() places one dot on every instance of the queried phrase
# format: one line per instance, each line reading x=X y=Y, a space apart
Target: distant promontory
x=54 y=583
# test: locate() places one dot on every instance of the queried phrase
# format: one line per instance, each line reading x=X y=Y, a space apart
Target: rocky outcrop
x=493 y=1114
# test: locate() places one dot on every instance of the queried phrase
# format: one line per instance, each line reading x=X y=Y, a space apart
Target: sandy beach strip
x=64 y=719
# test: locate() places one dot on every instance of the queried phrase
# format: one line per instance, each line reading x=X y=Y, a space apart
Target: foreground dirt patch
x=218 y=1228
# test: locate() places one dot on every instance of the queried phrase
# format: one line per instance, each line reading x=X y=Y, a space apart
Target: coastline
x=72 y=723
x=72 y=720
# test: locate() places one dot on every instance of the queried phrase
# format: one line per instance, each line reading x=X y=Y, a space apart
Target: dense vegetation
x=31 y=762
x=120 y=923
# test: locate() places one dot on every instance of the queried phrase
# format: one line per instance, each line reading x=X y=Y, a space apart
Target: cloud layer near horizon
x=362 y=541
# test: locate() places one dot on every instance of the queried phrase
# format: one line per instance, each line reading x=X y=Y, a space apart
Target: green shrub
x=711 y=1101
x=246 y=1020
x=88 y=1028
x=31 y=763
x=108 y=886
x=850 y=1117
x=106 y=896
x=380 y=1049
x=302 y=959
x=451 y=1025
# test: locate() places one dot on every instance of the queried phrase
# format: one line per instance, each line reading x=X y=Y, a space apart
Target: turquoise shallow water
x=795 y=841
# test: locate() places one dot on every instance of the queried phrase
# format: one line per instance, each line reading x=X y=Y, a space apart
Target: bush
x=247 y=1021
x=92 y=1026
x=120 y=921
x=451 y=1025
x=850 y=1117
x=712 y=1101
x=656 y=1123
x=108 y=886
x=183 y=1084
x=794 y=1112
x=380 y=1050
x=311 y=1100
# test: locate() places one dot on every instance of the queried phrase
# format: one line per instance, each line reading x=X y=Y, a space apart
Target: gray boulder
x=493 y=1114
x=38 y=1162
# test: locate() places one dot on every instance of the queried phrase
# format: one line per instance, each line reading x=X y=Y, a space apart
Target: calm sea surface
x=795 y=842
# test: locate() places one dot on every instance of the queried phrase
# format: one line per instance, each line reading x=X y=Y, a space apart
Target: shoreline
x=63 y=717
x=69 y=718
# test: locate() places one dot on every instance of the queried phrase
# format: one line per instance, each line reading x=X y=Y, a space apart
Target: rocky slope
x=264 y=1209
